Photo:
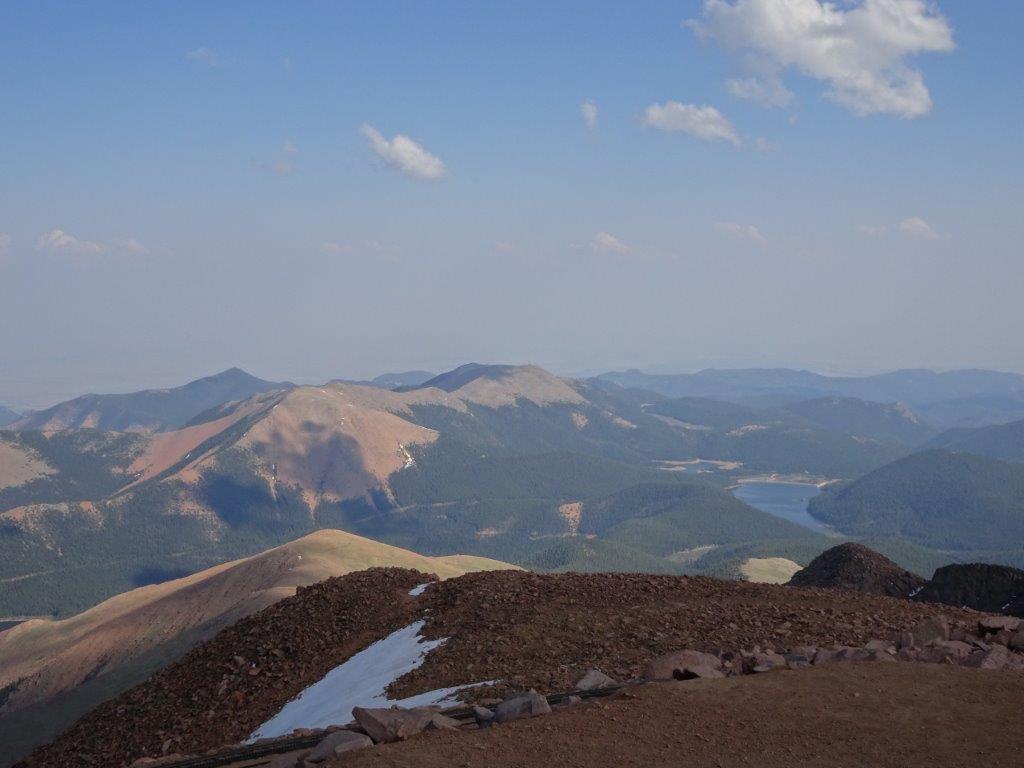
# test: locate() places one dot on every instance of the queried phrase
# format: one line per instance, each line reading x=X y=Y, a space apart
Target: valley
x=479 y=460
x=142 y=544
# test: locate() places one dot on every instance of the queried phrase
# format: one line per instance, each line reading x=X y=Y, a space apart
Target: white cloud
x=915 y=226
x=604 y=242
x=403 y=153
x=738 y=231
x=204 y=55
x=589 y=111
x=858 y=47
x=128 y=246
x=704 y=122
x=59 y=241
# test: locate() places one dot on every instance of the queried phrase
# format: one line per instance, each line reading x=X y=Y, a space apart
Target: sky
x=316 y=190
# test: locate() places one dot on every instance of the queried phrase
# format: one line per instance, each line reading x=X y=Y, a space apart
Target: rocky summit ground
x=525 y=630
x=838 y=716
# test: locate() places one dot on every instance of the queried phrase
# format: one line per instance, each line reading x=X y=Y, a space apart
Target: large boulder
x=392 y=724
x=671 y=665
x=524 y=705
x=338 y=743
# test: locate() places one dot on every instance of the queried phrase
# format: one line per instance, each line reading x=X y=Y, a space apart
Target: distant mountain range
x=7 y=416
x=508 y=462
x=151 y=410
x=500 y=461
x=393 y=380
x=954 y=398
x=1000 y=441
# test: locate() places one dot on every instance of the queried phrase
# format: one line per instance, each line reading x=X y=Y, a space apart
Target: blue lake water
x=785 y=500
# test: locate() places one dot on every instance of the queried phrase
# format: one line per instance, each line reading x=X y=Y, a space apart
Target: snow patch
x=360 y=682
x=419 y=589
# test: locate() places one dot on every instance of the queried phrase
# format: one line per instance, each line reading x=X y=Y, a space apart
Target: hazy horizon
x=328 y=191
x=43 y=394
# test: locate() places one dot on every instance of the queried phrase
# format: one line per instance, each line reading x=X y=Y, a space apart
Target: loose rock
x=392 y=724
x=338 y=743
x=593 y=680
x=664 y=667
x=525 y=705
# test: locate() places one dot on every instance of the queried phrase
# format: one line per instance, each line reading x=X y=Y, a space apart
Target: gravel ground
x=526 y=630
x=838 y=716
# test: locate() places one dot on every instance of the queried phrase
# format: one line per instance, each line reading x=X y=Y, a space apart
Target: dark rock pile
x=984 y=587
x=853 y=566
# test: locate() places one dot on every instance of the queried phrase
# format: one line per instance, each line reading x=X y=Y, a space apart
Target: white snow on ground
x=419 y=589
x=359 y=682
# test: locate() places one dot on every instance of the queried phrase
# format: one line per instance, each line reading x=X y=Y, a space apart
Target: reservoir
x=785 y=500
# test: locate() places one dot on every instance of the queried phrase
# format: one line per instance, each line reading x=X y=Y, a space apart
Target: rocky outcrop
x=855 y=567
x=522 y=630
x=385 y=725
x=982 y=586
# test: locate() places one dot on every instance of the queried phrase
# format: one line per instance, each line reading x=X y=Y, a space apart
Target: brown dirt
x=333 y=449
x=526 y=630
x=166 y=449
x=839 y=716
x=18 y=466
x=572 y=511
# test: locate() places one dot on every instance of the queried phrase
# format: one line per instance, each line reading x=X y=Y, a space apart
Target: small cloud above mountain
x=605 y=242
x=404 y=154
x=589 y=111
x=738 y=231
x=702 y=122
x=917 y=227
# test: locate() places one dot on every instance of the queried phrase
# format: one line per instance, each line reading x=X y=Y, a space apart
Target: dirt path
x=841 y=716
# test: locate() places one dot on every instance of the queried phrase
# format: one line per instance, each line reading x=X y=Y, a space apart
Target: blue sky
x=189 y=186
